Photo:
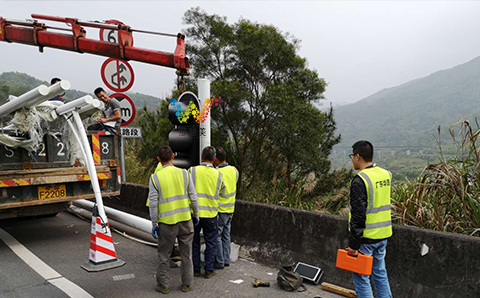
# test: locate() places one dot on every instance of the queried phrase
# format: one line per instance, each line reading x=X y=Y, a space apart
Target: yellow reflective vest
x=378 y=183
x=173 y=202
x=226 y=202
x=208 y=183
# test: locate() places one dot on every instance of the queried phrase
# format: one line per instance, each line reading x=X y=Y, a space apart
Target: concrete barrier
x=275 y=235
x=132 y=199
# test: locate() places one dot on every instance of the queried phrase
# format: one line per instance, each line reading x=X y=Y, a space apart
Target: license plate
x=52 y=192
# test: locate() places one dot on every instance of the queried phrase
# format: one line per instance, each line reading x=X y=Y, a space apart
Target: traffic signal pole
x=204 y=134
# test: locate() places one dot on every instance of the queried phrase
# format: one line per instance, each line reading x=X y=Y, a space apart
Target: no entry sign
x=117 y=75
x=127 y=108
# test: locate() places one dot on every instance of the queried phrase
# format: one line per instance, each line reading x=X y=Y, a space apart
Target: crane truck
x=45 y=182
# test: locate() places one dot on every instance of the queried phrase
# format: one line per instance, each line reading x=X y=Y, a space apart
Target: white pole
x=23 y=100
x=122 y=158
x=53 y=91
x=133 y=221
x=79 y=141
x=92 y=172
x=204 y=133
x=92 y=108
x=77 y=103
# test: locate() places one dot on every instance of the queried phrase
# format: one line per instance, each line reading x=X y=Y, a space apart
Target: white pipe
x=77 y=137
x=54 y=90
x=203 y=94
x=86 y=212
x=130 y=220
x=23 y=99
x=77 y=103
x=90 y=109
x=92 y=172
x=123 y=172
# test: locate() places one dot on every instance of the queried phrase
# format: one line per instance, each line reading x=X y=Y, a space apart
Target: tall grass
x=278 y=194
x=445 y=197
x=328 y=193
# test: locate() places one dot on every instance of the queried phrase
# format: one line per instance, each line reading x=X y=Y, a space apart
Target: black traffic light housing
x=184 y=138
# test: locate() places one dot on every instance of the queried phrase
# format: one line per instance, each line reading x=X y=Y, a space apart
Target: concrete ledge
x=276 y=235
x=132 y=199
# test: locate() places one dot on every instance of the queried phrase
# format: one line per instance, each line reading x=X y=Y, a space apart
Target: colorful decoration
x=192 y=110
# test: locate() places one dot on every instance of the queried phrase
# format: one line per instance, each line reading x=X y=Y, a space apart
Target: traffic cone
x=102 y=254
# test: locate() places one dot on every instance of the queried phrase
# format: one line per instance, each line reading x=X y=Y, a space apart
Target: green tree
x=155 y=129
x=269 y=118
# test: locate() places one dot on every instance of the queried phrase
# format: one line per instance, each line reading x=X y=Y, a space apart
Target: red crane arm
x=37 y=34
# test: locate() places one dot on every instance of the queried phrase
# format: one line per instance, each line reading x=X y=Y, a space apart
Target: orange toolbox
x=361 y=264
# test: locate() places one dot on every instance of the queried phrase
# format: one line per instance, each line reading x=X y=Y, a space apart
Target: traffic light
x=184 y=138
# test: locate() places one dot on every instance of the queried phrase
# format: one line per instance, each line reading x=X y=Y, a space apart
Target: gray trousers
x=183 y=231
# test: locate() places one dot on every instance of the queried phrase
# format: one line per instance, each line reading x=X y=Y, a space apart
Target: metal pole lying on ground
x=133 y=221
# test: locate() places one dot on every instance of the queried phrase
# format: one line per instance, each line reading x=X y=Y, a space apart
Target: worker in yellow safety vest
x=370 y=220
x=171 y=201
x=226 y=207
x=208 y=186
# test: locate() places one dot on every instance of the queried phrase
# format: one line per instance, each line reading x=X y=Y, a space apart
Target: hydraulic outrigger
x=35 y=33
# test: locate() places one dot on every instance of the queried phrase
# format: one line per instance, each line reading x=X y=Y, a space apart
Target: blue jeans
x=379 y=273
x=223 y=241
x=210 y=234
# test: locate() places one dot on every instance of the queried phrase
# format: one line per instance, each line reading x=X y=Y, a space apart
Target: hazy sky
x=358 y=47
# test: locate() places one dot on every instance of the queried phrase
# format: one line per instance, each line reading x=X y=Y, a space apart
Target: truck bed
x=47 y=177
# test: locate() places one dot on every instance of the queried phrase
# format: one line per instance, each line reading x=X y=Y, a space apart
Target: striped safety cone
x=102 y=254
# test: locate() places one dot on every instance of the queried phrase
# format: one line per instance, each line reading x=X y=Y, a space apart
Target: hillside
x=16 y=83
x=408 y=115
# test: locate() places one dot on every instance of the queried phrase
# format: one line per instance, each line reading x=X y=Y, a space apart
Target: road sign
x=127 y=108
x=111 y=35
x=117 y=74
x=131 y=132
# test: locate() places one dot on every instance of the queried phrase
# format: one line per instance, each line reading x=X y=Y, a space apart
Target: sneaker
x=197 y=274
x=226 y=265
x=185 y=288
x=161 y=289
x=218 y=267
x=209 y=274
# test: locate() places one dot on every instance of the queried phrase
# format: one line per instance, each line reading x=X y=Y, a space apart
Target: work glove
x=196 y=221
x=155 y=232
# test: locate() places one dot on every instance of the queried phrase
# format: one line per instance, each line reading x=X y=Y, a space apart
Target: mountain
x=16 y=83
x=409 y=114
